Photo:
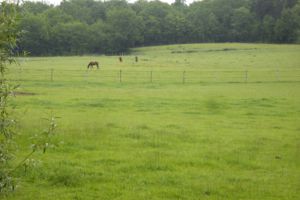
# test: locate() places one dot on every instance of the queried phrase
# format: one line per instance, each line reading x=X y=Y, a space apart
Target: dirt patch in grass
x=19 y=93
x=211 y=50
x=185 y=51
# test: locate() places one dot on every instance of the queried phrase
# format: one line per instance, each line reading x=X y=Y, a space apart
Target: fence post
x=246 y=76
x=183 y=77
x=120 y=76
x=51 y=75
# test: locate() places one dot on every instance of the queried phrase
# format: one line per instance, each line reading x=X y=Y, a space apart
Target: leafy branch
x=9 y=34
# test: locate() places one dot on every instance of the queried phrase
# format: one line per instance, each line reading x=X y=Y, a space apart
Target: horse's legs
x=91 y=65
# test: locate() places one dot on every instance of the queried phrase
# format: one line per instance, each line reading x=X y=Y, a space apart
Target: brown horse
x=92 y=63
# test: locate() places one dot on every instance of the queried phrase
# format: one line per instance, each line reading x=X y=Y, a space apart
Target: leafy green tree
x=125 y=29
x=243 y=25
x=153 y=32
x=139 y=6
x=80 y=10
x=116 y=25
x=154 y=16
x=217 y=15
x=176 y=28
x=116 y=4
x=98 y=11
x=271 y=7
x=70 y=38
x=35 y=35
x=286 y=28
x=9 y=34
x=99 y=37
x=268 y=29
x=179 y=3
x=212 y=30
x=8 y=42
x=34 y=7
x=296 y=13
x=56 y=16
x=204 y=23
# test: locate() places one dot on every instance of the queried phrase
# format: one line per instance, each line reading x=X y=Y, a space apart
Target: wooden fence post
x=120 y=76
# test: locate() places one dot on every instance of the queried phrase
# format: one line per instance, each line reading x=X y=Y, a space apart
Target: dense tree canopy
x=97 y=27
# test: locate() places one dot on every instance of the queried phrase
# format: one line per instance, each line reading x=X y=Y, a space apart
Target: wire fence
x=136 y=76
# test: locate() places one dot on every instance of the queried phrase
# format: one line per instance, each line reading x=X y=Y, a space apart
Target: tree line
x=77 y=27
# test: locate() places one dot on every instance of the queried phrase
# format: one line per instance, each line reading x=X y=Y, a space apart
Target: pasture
x=226 y=129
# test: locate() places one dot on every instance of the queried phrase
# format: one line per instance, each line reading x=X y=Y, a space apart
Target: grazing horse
x=92 y=63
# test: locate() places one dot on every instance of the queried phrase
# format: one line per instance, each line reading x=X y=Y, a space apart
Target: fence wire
x=132 y=76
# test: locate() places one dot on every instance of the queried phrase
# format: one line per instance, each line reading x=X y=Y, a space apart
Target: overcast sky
x=56 y=2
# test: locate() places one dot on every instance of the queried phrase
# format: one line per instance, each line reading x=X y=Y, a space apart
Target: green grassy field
x=217 y=136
